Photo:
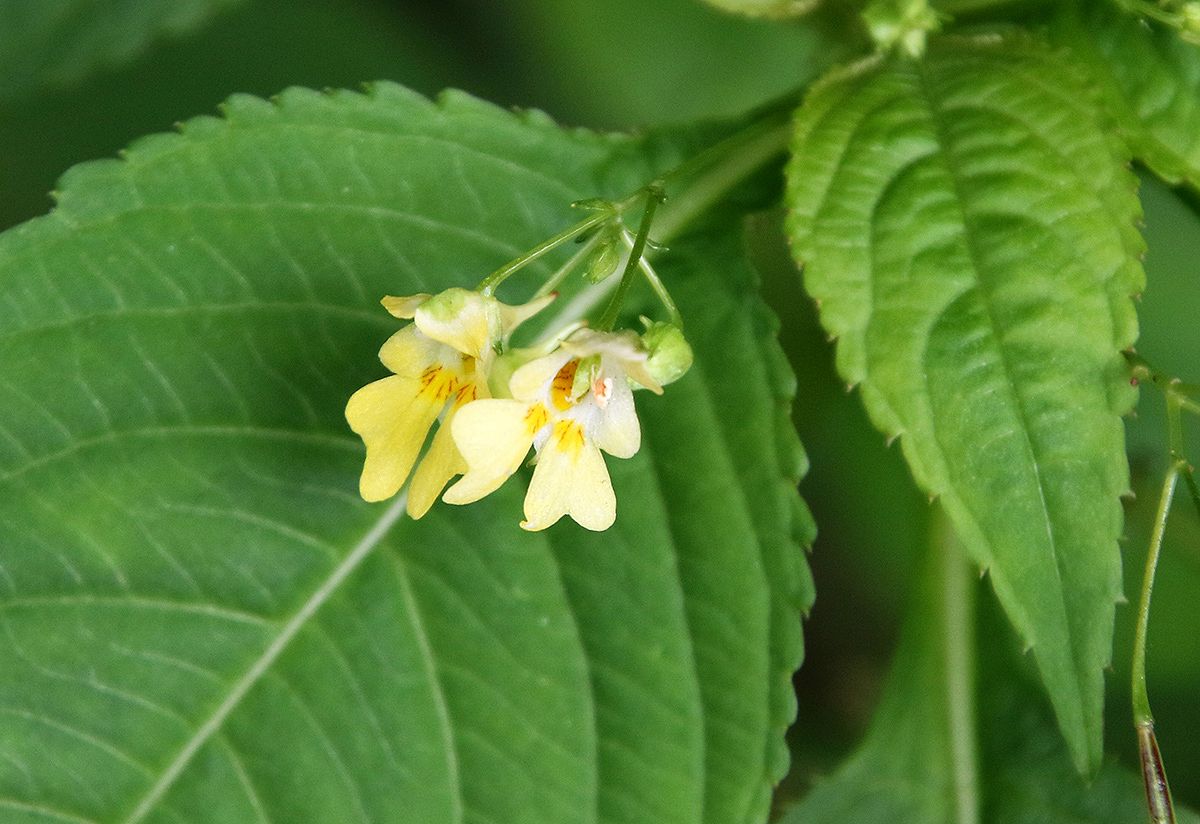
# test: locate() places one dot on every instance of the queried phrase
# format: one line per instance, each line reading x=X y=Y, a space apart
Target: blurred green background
x=632 y=64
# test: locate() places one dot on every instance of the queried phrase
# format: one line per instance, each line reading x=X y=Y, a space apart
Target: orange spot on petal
x=564 y=382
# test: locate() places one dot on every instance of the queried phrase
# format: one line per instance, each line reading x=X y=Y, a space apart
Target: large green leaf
x=968 y=232
x=53 y=42
x=202 y=622
x=922 y=761
x=1151 y=81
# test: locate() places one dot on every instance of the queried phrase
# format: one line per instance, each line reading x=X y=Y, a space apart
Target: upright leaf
x=967 y=229
x=53 y=42
x=201 y=622
x=1151 y=82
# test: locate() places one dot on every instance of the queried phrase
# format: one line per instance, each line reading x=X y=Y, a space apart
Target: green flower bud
x=606 y=256
x=670 y=355
x=901 y=24
x=448 y=305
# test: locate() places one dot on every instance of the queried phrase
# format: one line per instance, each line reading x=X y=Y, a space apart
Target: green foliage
x=921 y=762
x=1151 y=79
x=986 y=334
x=54 y=42
x=203 y=622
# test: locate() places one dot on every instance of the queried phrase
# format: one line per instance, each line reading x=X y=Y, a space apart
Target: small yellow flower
x=439 y=363
x=568 y=405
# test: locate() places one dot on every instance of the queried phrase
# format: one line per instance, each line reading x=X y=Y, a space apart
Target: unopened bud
x=447 y=306
x=606 y=257
x=669 y=354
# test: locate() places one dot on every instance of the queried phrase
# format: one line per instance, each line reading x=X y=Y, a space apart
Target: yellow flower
x=568 y=405
x=440 y=363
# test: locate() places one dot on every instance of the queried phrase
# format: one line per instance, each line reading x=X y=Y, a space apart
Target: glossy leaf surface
x=968 y=232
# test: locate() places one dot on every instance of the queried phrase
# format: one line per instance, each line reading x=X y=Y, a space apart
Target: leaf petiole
x=1154 y=776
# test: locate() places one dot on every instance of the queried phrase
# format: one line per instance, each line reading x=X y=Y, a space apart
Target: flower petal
x=460 y=318
x=409 y=353
x=403 y=307
x=530 y=380
x=513 y=316
x=618 y=432
x=441 y=463
x=570 y=479
x=493 y=436
x=392 y=416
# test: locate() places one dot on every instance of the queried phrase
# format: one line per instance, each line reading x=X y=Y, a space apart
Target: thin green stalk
x=489 y=284
x=958 y=631
x=725 y=165
x=558 y=277
x=1151 y=10
x=660 y=289
x=1154 y=776
x=1141 y=701
x=654 y=196
x=1187 y=404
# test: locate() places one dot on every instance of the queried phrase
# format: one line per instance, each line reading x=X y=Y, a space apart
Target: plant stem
x=725 y=165
x=558 y=277
x=1151 y=10
x=1141 y=700
x=958 y=632
x=656 y=283
x=654 y=196
x=489 y=284
x=1154 y=774
x=702 y=180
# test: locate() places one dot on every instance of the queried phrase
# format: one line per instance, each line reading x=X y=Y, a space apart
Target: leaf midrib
x=270 y=654
x=950 y=164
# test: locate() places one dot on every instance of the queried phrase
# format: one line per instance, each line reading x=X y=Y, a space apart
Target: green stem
x=654 y=196
x=724 y=165
x=490 y=283
x=1188 y=405
x=660 y=288
x=1154 y=774
x=1151 y=10
x=558 y=277
x=958 y=627
x=1141 y=700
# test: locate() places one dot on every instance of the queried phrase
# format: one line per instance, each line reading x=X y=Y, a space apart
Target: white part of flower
x=616 y=429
